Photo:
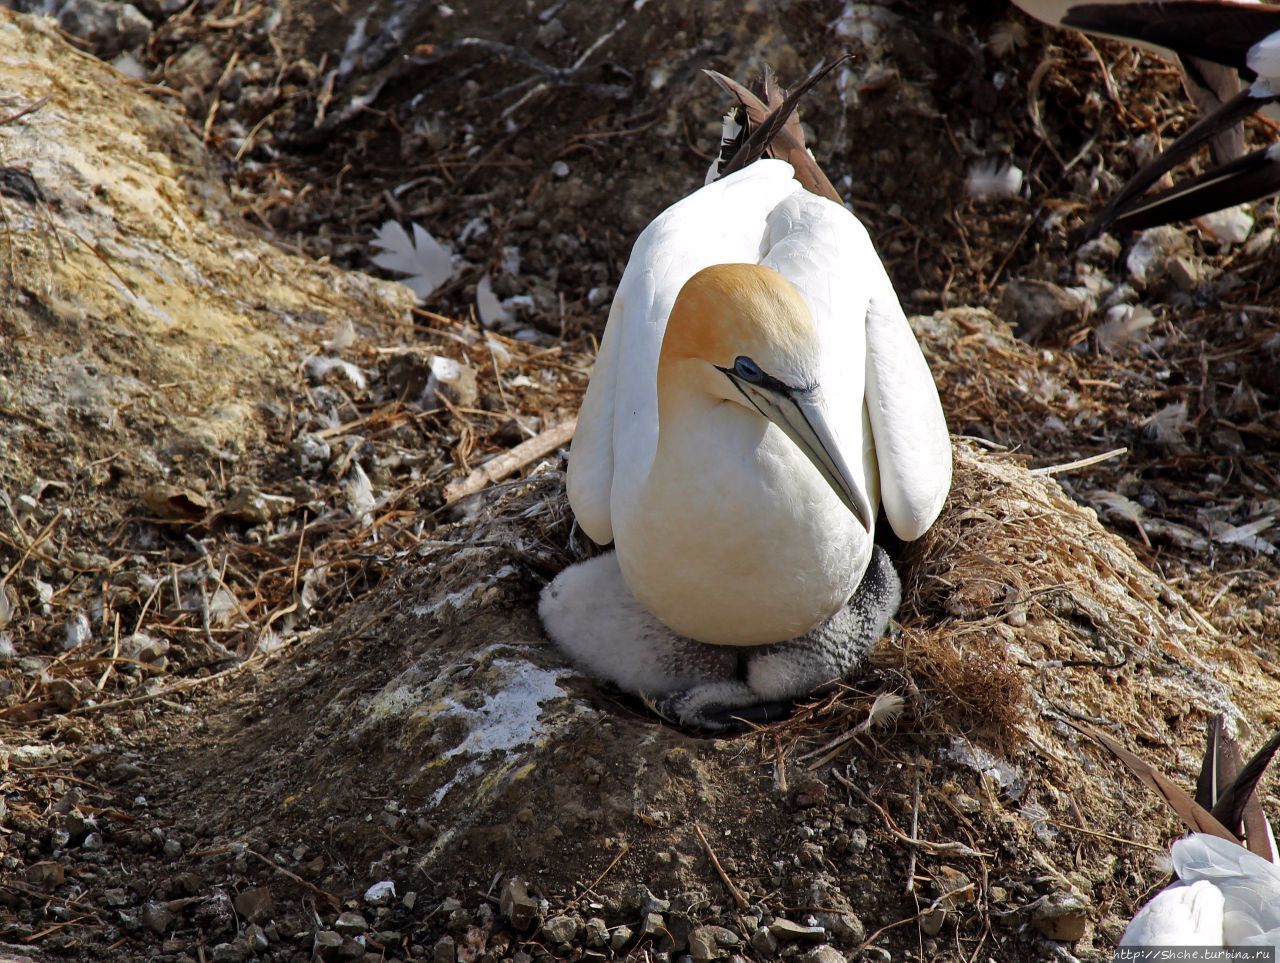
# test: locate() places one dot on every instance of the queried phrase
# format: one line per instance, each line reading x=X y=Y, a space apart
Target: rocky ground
x=270 y=688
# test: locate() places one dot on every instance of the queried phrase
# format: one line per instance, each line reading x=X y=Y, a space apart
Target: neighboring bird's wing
x=1180 y=915
x=1194 y=816
x=1220 y=31
x=1250 y=178
x=1221 y=763
x=1238 y=806
x=1209 y=86
x=724 y=222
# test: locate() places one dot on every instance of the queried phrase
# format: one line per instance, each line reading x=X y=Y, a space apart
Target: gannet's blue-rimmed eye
x=747 y=370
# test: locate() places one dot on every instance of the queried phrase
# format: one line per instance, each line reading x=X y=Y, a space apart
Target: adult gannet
x=757 y=395
x=1227 y=894
x=1213 y=40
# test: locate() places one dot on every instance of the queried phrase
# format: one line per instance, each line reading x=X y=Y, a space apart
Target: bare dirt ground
x=227 y=706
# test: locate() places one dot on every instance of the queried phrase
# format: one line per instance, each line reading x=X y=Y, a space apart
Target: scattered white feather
x=318 y=368
x=1166 y=425
x=1126 y=325
x=344 y=336
x=1007 y=37
x=511 y=259
x=491 y=310
x=222 y=606
x=884 y=711
x=1116 y=504
x=1244 y=401
x=7 y=652
x=360 y=500
x=475 y=228
x=77 y=631
x=501 y=354
x=993 y=179
x=269 y=641
x=1246 y=535
x=427 y=262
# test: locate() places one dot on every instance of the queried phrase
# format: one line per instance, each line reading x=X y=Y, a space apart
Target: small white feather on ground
x=993 y=179
x=427 y=262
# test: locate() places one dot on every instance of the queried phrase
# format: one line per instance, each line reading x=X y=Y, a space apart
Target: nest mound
x=1021 y=610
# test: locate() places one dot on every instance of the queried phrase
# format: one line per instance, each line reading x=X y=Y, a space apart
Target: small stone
x=230 y=953
x=445 y=951
x=931 y=922
x=620 y=938
x=46 y=875
x=1185 y=273
x=1153 y=253
x=172 y=848
x=823 y=954
x=784 y=929
x=638 y=900
x=326 y=944
x=380 y=894
x=108 y=27
x=1035 y=307
x=858 y=840
x=255 y=904
x=703 y=945
x=560 y=929
x=253 y=507
x=764 y=942
x=350 y=922
x=1227 y=441
x=653 y=926
x=596 y=933
x=255 y=938
x=117 y=898
x=157 y=917
x=516 y=904
x=1231 y=226
x=1061 y=916
x=351 y=950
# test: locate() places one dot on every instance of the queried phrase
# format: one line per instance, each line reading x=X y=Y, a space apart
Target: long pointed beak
x=803 y=418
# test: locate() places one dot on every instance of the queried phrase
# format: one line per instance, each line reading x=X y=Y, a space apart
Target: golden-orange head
x=731 y=311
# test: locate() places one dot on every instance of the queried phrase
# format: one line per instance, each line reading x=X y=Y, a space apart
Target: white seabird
x=1228 y=889
x=757 y=396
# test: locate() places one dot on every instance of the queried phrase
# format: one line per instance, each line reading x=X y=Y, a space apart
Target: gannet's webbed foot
x=778 y=675
x=593 y=617
x=728 y=706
